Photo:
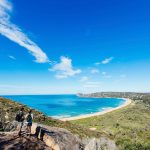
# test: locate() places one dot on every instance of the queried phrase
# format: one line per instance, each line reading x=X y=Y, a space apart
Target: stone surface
x=99 y=144
x=57 y=138
x=11 y=141
x=45 y=137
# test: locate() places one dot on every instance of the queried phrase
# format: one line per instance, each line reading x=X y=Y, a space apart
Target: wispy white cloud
x=105 y=61
x=84 y=78
x=97 y=63
x=15 y=34
x=64 y=69
x=12 y=57
x=94 y=71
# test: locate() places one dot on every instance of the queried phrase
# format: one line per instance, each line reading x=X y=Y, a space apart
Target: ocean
x=64 y=106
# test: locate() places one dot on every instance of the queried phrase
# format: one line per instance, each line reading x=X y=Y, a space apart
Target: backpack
x=19 y=116
x=29 y=118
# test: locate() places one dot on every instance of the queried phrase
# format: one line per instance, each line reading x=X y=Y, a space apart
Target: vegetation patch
x=129 y=126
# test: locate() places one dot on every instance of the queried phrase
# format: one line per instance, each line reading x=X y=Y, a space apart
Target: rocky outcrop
x=57 y=138
x=102 y=143
x=11 y=141
x=61 y=139
x=45 y=137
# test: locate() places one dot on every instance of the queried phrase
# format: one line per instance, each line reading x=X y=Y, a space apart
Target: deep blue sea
x=62 y=106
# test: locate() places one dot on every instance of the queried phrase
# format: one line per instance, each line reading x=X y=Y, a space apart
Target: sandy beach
x=127 y=102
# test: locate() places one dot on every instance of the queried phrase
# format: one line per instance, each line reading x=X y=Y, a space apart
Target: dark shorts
x=29 y=124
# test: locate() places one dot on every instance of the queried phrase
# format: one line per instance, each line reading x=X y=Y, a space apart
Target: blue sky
x=49 y=47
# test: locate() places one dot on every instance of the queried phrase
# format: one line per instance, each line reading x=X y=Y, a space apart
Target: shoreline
x=127 y=102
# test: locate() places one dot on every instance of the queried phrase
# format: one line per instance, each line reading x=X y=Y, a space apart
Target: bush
x=135 y=146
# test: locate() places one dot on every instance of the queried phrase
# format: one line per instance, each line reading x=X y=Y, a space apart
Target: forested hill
x=144 y=97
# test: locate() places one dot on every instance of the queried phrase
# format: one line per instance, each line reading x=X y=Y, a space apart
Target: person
x=29 y=119
x=20 y=118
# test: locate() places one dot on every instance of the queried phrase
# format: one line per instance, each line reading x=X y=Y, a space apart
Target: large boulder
x=57 y=138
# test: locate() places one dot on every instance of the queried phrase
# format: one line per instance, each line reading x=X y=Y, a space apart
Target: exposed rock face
x=57 y=138
x=11 y=141
x=10 y=126
x=99 y=144
x=61 y=139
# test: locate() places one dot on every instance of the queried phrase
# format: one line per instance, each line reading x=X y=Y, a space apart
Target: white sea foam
x=61 y=116
x=105 y=108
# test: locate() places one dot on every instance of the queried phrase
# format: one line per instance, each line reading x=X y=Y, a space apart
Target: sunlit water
x=62 y=106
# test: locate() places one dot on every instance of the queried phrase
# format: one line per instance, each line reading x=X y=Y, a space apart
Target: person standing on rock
x=29 y=118
x=20 y=118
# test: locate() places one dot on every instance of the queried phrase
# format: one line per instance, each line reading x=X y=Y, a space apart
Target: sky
x=65 y=47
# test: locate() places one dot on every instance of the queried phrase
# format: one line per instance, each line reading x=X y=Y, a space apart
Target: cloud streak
x=15 y=34
x=105 y=61
x=12 y=57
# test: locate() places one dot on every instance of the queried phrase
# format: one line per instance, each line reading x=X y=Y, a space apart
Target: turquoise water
x=62 y=106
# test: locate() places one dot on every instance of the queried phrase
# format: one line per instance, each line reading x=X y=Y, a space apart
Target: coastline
x=127 y=102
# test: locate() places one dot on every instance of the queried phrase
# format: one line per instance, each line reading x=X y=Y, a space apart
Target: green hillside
x=129 y=126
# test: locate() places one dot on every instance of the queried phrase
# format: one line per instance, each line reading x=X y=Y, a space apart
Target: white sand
x=128 y=101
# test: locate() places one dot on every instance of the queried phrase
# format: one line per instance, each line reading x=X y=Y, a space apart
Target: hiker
x=20 y=118
x=29 y=119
